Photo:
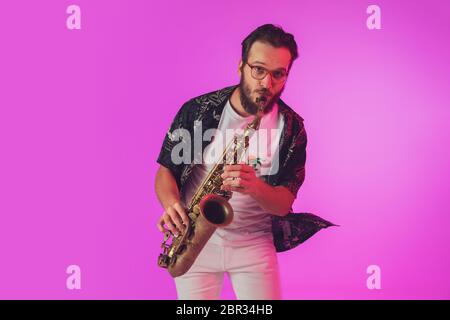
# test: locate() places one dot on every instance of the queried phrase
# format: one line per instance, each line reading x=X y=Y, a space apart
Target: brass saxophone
x=208 y=209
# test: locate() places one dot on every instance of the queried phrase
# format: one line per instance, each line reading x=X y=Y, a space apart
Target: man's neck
x=235 y=102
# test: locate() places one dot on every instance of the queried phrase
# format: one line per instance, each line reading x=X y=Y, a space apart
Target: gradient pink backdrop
x=83 y=114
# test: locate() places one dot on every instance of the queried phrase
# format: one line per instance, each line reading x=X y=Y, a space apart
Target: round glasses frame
x=259 y=73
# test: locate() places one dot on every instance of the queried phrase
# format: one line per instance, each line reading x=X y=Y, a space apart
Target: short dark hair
x=273 y=35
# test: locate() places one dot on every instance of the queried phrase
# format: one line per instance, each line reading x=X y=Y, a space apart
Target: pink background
x=83 y=114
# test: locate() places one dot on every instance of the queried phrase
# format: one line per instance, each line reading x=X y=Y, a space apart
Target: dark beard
x=253 y=106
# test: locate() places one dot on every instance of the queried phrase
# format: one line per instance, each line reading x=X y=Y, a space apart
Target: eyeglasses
x=260 y=73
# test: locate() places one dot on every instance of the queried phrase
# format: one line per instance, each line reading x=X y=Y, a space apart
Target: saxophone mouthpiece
x=261 y=99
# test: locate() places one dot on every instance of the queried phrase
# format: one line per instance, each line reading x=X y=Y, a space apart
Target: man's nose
x=267 y=82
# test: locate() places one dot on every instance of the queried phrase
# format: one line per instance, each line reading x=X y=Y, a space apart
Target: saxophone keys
x=196 y=210
x=163 y=261
x=166 y=235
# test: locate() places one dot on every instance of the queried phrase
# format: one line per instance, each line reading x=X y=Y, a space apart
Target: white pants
x=252 y=268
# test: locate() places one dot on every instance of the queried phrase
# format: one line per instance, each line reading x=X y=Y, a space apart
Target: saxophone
x=208 y=209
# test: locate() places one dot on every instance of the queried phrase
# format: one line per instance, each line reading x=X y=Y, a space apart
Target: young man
x=263 y=190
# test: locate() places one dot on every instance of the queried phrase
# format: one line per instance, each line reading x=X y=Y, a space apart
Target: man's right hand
x=175 y=218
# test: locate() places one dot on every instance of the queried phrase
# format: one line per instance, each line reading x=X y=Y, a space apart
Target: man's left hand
x=240 y=178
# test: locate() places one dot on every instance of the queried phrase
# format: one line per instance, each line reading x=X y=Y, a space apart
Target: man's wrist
x=260 y=190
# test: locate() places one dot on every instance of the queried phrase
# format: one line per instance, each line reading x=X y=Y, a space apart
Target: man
x=263 y=191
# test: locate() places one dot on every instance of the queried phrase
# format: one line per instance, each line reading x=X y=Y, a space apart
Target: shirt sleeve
x=293 y=174
x=180 y=121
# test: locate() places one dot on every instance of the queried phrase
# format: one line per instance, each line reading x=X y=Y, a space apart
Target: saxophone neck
x=254 y=125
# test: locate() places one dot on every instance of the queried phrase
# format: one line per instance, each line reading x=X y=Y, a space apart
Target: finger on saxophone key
x=160 y=224
x=169 y=223
x=176 y=219
x=182 y=213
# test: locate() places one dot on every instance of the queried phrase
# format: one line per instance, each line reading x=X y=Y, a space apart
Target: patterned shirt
x=288 y=231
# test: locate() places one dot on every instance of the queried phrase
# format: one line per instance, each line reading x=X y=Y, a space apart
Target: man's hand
x=240 y=178
x=175 y=218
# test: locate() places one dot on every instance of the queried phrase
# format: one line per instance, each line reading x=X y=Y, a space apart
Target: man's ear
x=240 y=67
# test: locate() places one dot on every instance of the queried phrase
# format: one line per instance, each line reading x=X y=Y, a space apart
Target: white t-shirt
x=250 y=220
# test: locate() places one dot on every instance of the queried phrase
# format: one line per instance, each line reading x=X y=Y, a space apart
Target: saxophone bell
x=216 y=210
